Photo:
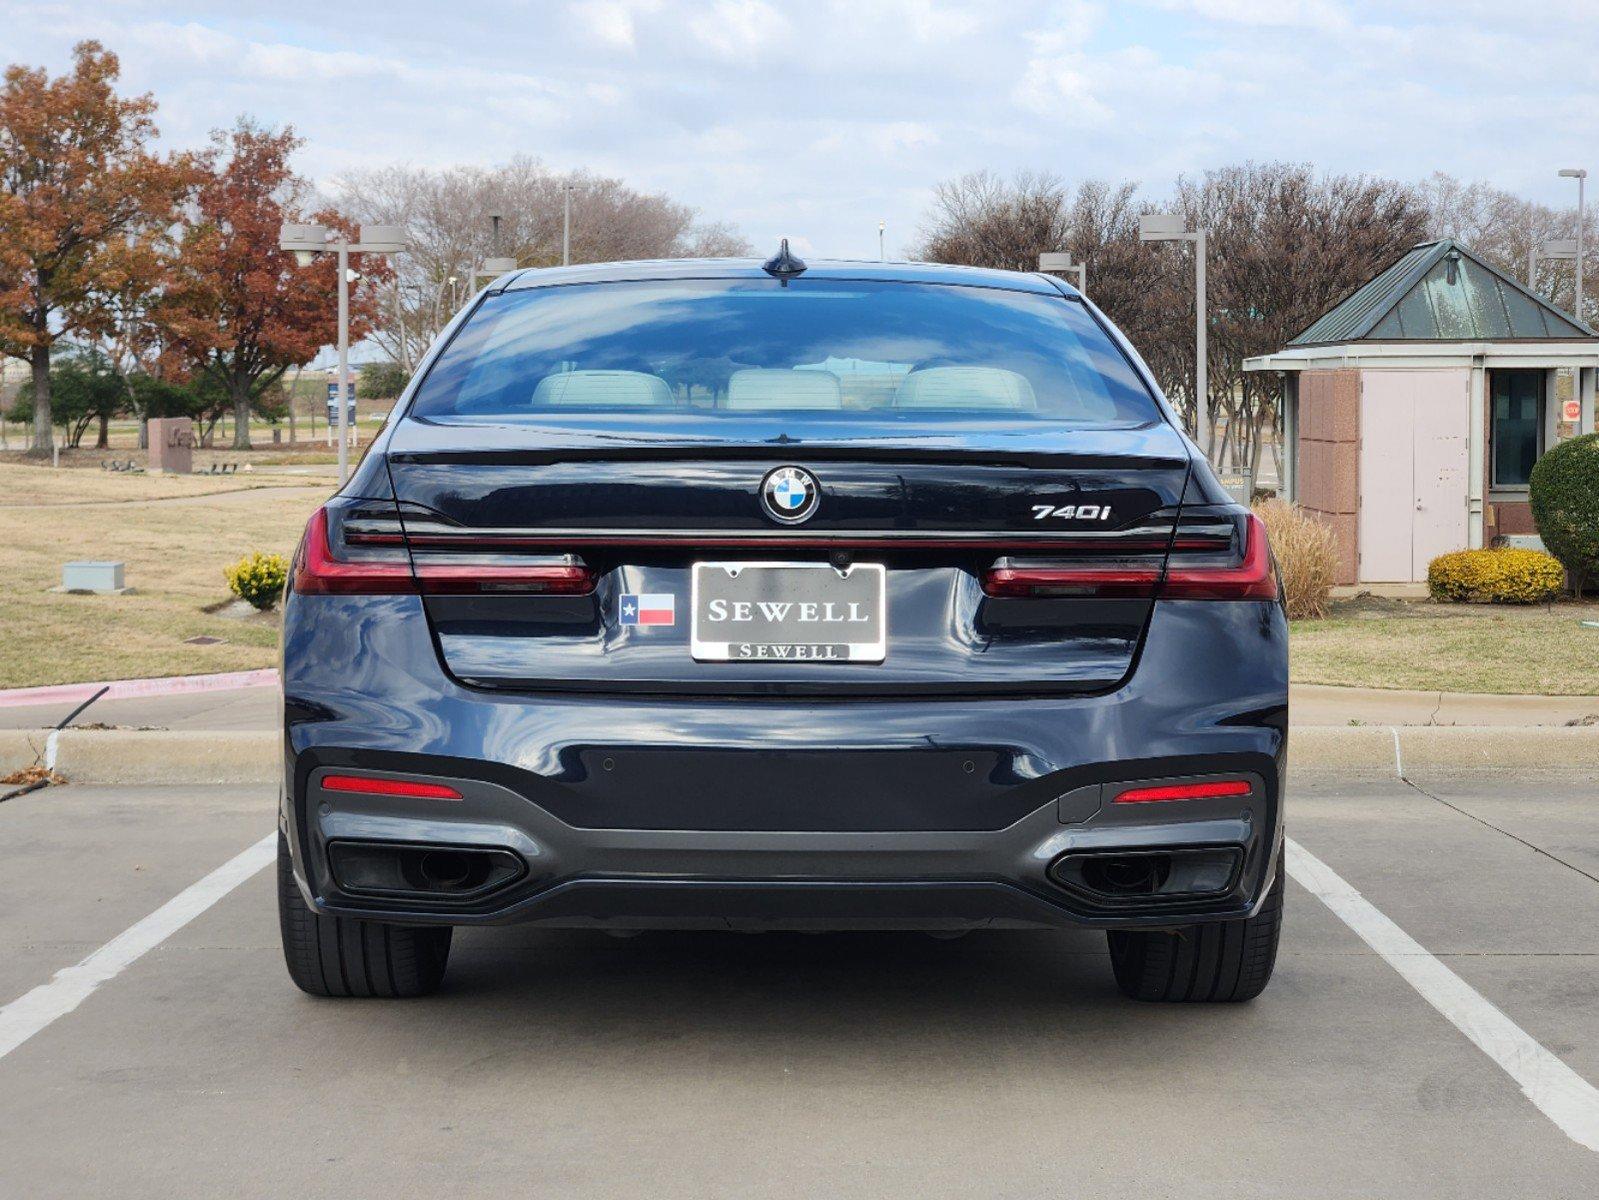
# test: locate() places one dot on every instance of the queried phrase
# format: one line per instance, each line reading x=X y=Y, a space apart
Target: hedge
x=1565 y=506
x=1495 y=577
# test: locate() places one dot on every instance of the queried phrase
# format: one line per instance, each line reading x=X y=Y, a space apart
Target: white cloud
x=1310 y=14
x=612 y=23
x=817 y=118
x=738 y=29
x=1056 y=80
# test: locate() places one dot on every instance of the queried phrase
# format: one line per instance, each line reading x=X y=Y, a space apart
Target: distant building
x=1416 y=407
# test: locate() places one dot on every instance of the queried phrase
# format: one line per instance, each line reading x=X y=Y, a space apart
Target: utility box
x=102 y=578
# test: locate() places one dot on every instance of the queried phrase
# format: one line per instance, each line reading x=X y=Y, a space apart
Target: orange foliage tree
x=82 y=200
x=243 y=310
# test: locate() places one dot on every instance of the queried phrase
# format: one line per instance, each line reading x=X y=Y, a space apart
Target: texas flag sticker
x=648 y=608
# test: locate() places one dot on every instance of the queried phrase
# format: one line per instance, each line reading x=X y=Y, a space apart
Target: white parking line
x=71 y=986
x=1562 y=1095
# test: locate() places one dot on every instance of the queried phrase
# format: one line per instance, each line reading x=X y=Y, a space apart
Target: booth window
x=1517 y=439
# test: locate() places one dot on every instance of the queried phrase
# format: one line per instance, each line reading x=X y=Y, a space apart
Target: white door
x=1443 y=416
x=1412 y=471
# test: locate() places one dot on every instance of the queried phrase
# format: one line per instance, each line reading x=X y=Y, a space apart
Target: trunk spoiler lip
x=800 y=452
x=1155 y=446
x=932 y=540
x=436 y=534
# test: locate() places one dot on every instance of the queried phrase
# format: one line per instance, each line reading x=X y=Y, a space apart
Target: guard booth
x=1415 y=408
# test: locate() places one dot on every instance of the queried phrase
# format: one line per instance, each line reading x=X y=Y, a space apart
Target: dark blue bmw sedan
x=730 y=595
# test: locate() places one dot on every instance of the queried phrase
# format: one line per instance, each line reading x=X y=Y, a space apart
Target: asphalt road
x=707 y=1065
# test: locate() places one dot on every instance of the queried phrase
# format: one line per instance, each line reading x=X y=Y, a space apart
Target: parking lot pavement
x=669 y=1065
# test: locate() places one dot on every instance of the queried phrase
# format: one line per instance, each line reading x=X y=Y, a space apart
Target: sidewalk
x=1310 y=705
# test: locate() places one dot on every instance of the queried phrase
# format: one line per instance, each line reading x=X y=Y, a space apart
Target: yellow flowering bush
x=258 y=578
x=1502 y=576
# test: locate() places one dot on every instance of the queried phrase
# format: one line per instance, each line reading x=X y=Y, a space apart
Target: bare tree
x=448 y=215
x=981 y=220
x=1285 y=246
x=1504 y=227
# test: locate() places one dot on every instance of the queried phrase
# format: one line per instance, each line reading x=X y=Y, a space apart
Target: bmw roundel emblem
x=790 y=495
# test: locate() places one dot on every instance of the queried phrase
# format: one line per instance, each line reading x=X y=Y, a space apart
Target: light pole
x=1581 y=176
x=307 y=241
x=1559 y=249
x=566 y=225
x=1061 y=264
x=882 y=253
x=1172 y=227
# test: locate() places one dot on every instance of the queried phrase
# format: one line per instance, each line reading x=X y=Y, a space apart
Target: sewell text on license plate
x=788 y=612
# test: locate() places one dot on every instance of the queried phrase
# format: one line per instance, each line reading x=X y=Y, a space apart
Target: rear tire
x=340 y=956
x=1223 y=961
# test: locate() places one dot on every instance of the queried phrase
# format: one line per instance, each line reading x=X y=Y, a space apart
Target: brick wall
x=1328 y=465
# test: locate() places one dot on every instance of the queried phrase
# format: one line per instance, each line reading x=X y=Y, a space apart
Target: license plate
x=789 y=612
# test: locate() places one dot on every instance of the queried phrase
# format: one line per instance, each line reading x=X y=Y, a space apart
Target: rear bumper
x=640 y=812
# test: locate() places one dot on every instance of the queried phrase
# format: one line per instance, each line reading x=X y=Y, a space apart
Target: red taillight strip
x=371 y=785
x=317 y=572
x=1252 y=579
x=1185 y=791
x=1044 y=582
x=466 y=578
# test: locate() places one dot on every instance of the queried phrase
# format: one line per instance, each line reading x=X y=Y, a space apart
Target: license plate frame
x=762 y=584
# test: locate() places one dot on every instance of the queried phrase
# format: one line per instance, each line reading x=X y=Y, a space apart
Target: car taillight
x=317 y=572
x=1018 y=579
x=1184 y=791
x=1203 y=566
x=320 y=570
x=466 y=576
x=1252 y=578
x=371 y=785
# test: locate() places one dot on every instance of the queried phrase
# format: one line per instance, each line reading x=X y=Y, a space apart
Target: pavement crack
x=1487 y=824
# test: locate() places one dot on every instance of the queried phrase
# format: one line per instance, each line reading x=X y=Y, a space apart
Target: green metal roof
x=1442 y=292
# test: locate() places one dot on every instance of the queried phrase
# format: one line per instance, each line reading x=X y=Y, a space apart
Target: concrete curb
x=130 y=689
x=118 y=756
x=146 y=757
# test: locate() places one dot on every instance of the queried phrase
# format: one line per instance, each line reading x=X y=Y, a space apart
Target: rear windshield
x=694 y=351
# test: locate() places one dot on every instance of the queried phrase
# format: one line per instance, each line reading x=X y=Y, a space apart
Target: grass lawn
x=1542 y=649
x=175 y=539
x=24 y=485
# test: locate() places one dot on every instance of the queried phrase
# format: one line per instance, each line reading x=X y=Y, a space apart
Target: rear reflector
x=372 y=786
x=319 y=572
x=1184 y=791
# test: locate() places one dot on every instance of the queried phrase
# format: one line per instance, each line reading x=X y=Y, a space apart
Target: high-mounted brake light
x=318 y=571
x=1184 y=791
x=371 y=785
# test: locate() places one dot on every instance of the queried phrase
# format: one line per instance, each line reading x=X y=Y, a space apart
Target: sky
x=815 y=120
